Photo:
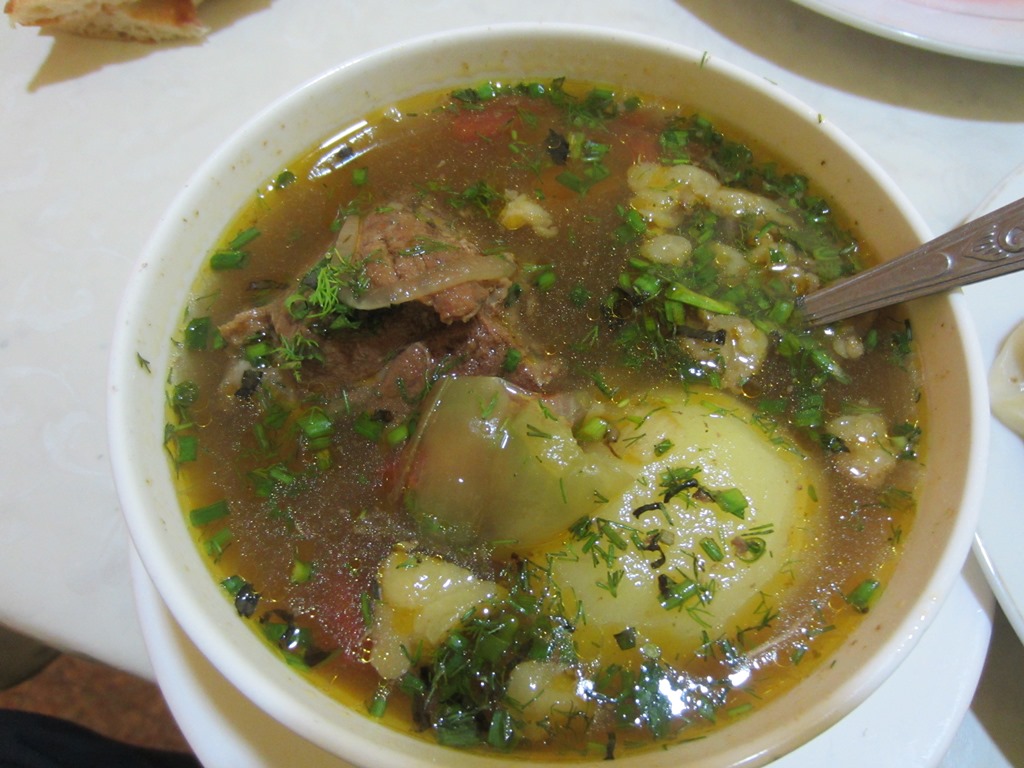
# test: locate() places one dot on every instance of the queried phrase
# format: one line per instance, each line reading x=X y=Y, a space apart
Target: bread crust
x=136 y=20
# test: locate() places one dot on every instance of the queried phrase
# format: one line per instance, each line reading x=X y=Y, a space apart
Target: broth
x=494 y=415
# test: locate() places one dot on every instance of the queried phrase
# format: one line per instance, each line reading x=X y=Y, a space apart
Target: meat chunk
x=418 y=301
x=414 y=254
x=486 y=345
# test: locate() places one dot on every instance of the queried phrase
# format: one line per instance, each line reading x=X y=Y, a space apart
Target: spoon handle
x=986 y=247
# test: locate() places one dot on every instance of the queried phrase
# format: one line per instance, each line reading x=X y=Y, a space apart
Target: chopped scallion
x=369 y=427
x=545 y=280
x=592 y=430
x=864 y=594
x=243 y=238
x=315 y=424
x=397 y=435
x=233 y=584
x=731 y=500
x=216 y=544
x=501 y=732
x=228 y=259
x=712 y=549
x=201 y=516
x=188 y=448
x=379 y=703
x=679 y=292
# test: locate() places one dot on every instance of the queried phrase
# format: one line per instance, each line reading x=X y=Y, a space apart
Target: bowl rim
x=363 y=744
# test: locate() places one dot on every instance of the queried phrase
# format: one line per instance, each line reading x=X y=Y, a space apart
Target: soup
x=495 y=415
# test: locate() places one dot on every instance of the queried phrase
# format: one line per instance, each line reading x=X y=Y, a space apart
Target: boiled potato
x=712 y=559
x=422 y=599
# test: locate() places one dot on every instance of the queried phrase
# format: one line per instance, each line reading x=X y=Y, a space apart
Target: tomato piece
x=639 y=144
x=473 y=124
x=341 y=615
x=342 y=586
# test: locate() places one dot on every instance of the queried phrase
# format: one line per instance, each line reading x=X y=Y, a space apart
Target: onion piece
x=348 y=237
x=467 y=269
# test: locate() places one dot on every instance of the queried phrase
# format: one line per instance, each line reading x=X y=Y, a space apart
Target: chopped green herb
x=216 y=544
x=197 y=333
x=228 y=259
x=188 y=448
x=243 y=238
x=579 y=295
x=662 y=447
x=512 y=359
x=864 y=595
x=369 y=426
x=185 y=393
x=397 y=435
x=233 y=584
x=712 y=549
x=284 y=179
x=592 y=430
x=366 y=609
x=679 y=292
x=315 y=423
x=502 y=733
x=201 y=516
x=302 y=571
x=626 y=639
x=379 y=703
x=545 y=279
x=750 y=548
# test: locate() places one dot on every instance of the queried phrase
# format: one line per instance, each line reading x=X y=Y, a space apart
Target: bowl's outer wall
x=152 y=310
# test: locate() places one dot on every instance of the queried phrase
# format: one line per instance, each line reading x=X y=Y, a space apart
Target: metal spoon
x=987 y=247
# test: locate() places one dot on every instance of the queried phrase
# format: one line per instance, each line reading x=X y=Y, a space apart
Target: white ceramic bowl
x=956 y=400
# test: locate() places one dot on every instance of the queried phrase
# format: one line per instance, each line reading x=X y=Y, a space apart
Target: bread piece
x=139 y=20
x=41 y=12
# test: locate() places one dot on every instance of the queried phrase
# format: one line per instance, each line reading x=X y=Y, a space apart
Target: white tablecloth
x=97 y=137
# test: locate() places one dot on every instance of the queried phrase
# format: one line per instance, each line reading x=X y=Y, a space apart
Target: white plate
x=909 y=721
x=986 y=30
x=997 y=309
